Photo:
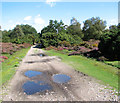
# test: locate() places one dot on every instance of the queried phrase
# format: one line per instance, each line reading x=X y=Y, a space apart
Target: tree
x=75 y=28
x=110 y=44
x=113 y=27
x=23 y=33
x=56 y=32
x=17 y=32
x=93 y=28
x=54 y=27
x=49 y=39
x=28 y=29
x=5 y=36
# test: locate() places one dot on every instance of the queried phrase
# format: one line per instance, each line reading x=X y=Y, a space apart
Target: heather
x=10 y=64
x=8 y=49
x=90 y=51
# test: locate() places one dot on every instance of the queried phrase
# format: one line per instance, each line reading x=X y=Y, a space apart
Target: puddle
x=41 y=55
x=31 y=87
x=31 y=73
x=30 y=62
x=61 y=78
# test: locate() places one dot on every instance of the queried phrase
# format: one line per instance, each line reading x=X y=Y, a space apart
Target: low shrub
x=76 y=48
x=59 y=48
x=51 y=47
x=26 y=45
x=64 y=44
x=4 y=57
x=102 y=58
x=74 y=53
x=95 y=45
x=10 y=48
x=66 y=48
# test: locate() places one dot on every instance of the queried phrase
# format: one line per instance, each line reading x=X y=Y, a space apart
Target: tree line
x=57 y=33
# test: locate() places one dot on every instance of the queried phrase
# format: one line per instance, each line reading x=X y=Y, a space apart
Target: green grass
x=101 y=71
x=9 y=65
x=113 y=63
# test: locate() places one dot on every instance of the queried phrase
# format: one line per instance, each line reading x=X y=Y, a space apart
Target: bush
x=102 y=58
x=10 y=48
x=21 y=46
x=64 y=44
x=26 y=45
x=74 y=53
x=76 y=48
x=110 y=44
x=80 y=51
x=51 y=47
x=4 y=57
x=90 y=44
x=95 y=45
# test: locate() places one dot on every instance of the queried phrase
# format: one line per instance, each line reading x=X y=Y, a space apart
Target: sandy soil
x=80 y=88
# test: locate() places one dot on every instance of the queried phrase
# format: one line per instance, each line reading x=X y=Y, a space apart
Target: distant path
x=80 y=88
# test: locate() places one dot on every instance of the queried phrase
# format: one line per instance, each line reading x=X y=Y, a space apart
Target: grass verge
x=101 y=71
x=113 y=63
x=9 y=65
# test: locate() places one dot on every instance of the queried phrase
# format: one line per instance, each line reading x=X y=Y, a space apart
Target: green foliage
x=75 y=28
x=110 y=44
x=49 y=39
x=113 y=63
x=93 y=28
x=54 y=27
x=5 y=36
x=64 y=44
x=27 y=29
x=57 y=32
x=20 y=34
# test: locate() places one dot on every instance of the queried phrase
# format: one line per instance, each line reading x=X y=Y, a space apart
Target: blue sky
x=38 y=14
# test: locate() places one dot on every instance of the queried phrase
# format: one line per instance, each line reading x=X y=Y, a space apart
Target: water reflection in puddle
x=31 y=87
x=31 y=73
x=61 y=78
x=41 y=55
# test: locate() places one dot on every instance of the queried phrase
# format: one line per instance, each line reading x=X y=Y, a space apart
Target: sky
x=38 y=14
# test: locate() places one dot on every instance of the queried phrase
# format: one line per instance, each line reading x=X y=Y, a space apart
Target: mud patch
x=31 y=87
x=31 y=73
x=61 y=78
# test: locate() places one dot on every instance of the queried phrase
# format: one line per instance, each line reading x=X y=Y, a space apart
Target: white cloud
x=39 y=20
x=51 y=2
x=113 y=22
x=38 y=27
x=27 y=18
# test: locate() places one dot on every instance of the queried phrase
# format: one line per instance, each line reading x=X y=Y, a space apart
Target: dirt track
x=80 y=88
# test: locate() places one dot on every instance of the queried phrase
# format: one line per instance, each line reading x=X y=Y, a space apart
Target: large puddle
x=61 y=78
x=40 y=85
x=31 y=73
x=31 y=87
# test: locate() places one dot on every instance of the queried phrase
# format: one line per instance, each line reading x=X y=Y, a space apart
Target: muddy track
x=79 y=88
